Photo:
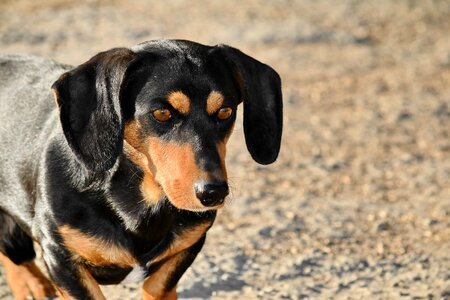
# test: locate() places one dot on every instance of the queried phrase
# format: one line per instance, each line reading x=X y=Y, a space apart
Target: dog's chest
x=180 y=243
x=110 y=263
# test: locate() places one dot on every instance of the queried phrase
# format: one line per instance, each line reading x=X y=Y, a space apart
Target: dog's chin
x=203 y=208
x=194 y=206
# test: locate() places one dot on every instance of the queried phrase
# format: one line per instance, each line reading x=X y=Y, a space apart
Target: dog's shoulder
x=27 y=114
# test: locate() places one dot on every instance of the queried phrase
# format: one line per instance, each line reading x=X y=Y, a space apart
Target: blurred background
x=358 y=203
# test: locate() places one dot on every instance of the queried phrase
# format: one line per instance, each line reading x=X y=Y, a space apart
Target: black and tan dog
x=120 y=181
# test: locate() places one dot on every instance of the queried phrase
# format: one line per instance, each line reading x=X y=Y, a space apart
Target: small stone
x=383 y=226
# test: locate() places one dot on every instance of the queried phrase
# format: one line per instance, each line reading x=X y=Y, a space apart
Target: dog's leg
x=172 y=295
x=17 y=257
x=26 y=280
x=157 y=287
x=162 y=284
x=89 y=283
x=72 y=280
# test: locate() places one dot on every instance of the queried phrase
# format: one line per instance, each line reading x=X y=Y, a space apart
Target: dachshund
x=120 y=180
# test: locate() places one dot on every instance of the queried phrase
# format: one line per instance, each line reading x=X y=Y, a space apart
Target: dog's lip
x=204 y=208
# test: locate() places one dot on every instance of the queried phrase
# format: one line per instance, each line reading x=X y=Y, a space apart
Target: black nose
x=211 y=193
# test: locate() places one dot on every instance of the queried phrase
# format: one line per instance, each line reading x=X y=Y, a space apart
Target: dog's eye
x=162 y=114
x=224 y=113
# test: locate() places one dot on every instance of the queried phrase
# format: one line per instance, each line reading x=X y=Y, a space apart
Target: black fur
x=65 y=164
x=260 y=88
x=89 y=101
x=15 y=243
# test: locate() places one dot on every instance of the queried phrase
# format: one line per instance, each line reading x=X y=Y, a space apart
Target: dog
x=120 y=180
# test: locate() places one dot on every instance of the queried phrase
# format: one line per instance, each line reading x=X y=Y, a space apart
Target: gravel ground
x=358 y=204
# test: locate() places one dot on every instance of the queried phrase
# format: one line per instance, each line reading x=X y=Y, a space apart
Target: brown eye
x=224 y=113
x=162 y=114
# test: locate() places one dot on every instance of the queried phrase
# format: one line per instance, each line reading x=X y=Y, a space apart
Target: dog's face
x=184 y=111
x=171 y=105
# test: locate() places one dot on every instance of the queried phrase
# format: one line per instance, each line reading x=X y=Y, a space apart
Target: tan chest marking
x=93 y=249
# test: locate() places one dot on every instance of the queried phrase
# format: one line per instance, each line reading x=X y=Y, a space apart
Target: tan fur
x=91 y=284
x=150 y=189
x=154 y=285
x=153 y=288
x=26 y=280
x=176 y=170
x=131 y=136
x=64 y=294
x=222 y=150
x=171 y=295
x=184 y=241
x=179 y=101
x=56 y=97
x=214 y=102
x=169 y=168
x=94 y=250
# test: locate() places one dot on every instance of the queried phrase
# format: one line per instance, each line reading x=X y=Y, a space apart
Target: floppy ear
x=260 y=88
x=89 y=102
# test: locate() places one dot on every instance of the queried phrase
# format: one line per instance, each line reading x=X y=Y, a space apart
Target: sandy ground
x=358 y=204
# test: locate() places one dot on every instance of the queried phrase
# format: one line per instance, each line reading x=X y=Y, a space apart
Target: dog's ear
x=260 y=88
x=88 y=98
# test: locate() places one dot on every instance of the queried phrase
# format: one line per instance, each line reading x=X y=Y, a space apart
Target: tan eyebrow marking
x=214 y=102
x=179 y=101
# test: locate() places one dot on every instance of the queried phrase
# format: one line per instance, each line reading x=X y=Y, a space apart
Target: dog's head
x=170 y=107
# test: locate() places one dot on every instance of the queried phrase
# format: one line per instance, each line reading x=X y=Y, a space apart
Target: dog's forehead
x=162 y=44
x=181 y=70
x=187 y=49
x=165 y=82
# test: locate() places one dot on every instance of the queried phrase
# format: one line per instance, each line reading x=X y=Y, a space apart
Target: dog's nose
x=211 y=193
